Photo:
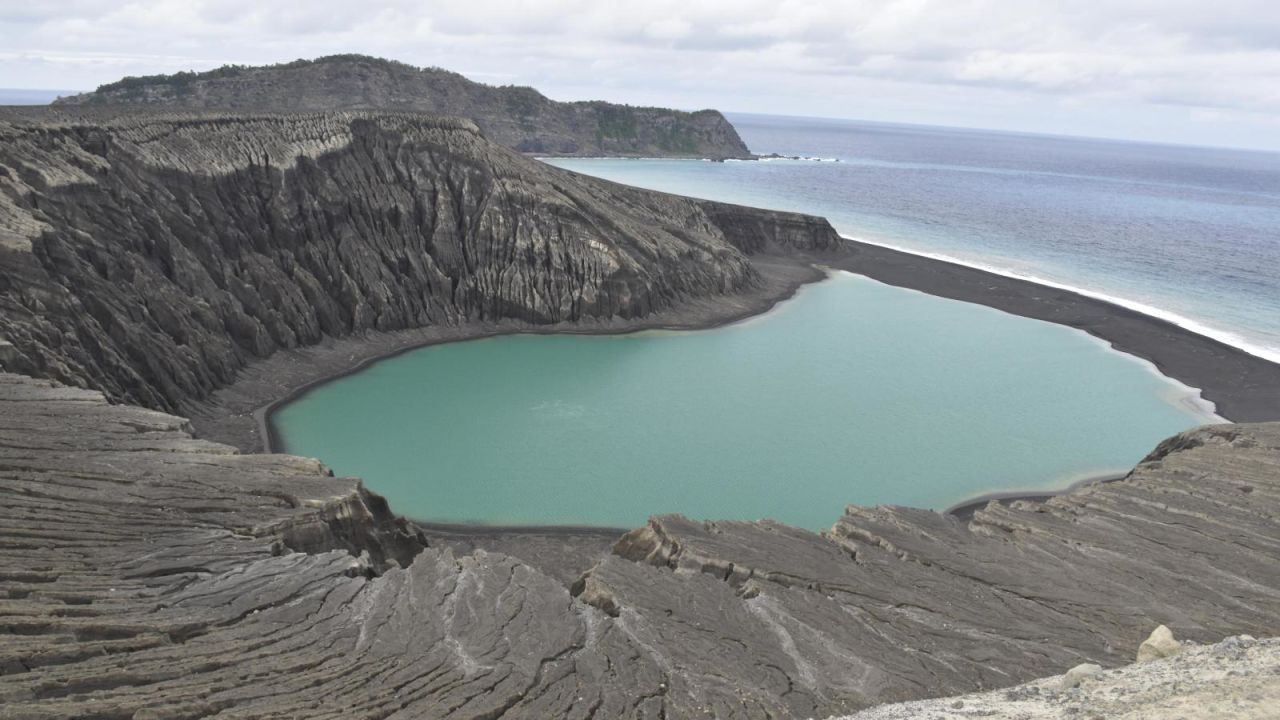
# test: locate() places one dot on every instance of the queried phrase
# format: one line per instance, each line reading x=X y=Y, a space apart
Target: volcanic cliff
x=152 y=257
x=146 y=572
x=518 y=117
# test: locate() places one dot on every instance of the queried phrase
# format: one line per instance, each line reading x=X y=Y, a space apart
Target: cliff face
x=148 y=574
x=518 y=117
x=153 y=257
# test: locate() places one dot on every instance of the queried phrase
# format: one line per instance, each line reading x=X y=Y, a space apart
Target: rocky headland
x=159 y=263
x=518 y=117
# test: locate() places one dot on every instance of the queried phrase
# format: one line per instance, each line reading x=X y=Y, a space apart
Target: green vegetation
x=676 y=140
x=513 y=115
x=671 y=132
x=615 y=121
x=181 y=82
x=524 y=104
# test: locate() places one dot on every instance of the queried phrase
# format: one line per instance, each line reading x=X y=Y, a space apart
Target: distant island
x=518 y=117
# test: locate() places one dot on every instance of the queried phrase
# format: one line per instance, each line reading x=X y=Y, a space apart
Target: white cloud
x=939 y=56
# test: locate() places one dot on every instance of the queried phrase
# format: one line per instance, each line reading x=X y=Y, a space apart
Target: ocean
x=23 y=96
x=1188 y=234
x=854 y=391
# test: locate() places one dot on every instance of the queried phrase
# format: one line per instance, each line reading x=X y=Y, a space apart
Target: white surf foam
x=1223 y=336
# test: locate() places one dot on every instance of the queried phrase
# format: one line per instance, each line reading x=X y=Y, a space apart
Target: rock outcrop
x=518 y=117
x=149 y=574
x=1078 y=674
x=1160 y=644
x=1236 y=679
x=151 y=257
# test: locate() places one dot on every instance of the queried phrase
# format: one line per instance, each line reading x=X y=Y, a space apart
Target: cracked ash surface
x=150 y=574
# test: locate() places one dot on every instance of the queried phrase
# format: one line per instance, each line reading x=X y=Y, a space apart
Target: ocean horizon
x=28 y=96
x=1183 y=233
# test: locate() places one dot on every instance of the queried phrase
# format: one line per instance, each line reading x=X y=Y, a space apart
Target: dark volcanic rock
x=518 y=117
x=1244 y=387
x=148 y=574
x=145 y=573
x=152 y=257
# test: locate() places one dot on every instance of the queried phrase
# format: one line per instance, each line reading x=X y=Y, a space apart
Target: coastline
x=965 y=509
x=1183 y=322
x=1242 y=387
x=1188 y=398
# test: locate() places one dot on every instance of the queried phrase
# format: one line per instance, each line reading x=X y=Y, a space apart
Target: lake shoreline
x=1241 y=386
x=965 y=509
x=239 y=416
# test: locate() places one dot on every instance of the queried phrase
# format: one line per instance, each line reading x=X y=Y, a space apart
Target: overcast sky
x=1188 y=71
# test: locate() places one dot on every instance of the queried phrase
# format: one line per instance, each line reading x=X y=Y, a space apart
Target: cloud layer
x=1188 y=69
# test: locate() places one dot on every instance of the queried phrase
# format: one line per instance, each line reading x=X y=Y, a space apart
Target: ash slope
x=1236 y=679
x=152 y=257
x=518 y=117
x=150 y=574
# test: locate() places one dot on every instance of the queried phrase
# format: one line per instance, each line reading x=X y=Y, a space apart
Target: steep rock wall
x=152 y=257
x=517 y=117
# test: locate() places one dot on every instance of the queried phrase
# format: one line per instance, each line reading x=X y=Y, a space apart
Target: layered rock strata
x=149 y=574
x=518 y=117
x=152 y=257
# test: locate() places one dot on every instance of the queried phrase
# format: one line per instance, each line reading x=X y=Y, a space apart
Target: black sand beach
x=240 y=414
x=1245 y=388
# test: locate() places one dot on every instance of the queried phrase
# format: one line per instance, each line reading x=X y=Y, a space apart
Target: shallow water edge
x=828 y=392
x=239 y=414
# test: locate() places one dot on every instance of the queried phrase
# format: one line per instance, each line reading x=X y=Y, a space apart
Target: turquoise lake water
x=1189 y=234
x=853 y=392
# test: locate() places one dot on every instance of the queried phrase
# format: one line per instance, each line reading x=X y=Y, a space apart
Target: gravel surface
x=1238 y=678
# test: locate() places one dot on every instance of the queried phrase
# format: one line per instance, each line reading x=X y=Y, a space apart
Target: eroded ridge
x=153 y=256
x=518 y=117
x=149 y=574
x=896 y=603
